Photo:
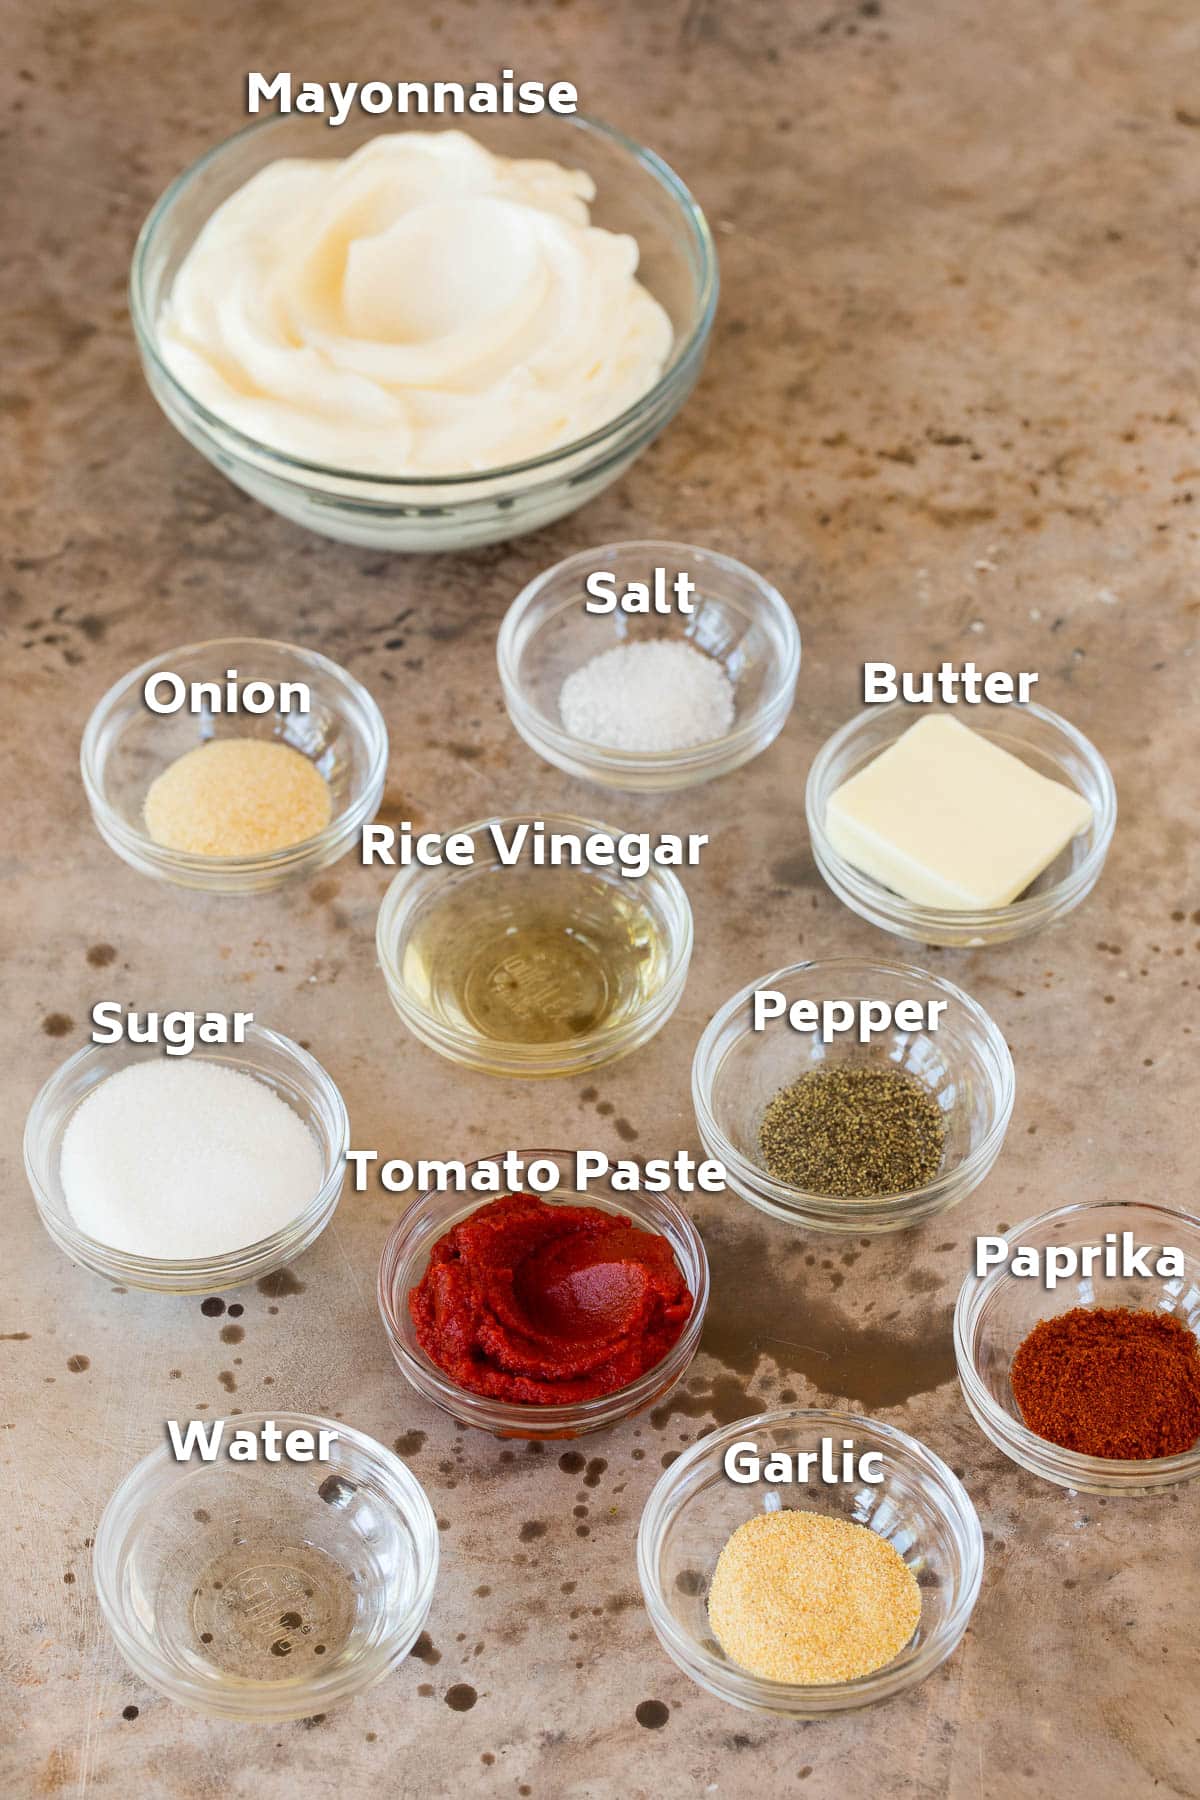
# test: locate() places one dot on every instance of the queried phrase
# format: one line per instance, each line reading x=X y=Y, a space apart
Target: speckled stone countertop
x=950 y=409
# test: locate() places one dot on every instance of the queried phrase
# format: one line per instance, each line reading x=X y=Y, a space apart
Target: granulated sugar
x=186 y=1158
x=660 y=694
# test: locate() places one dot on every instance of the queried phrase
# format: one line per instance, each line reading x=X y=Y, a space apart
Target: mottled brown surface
x=950 y=410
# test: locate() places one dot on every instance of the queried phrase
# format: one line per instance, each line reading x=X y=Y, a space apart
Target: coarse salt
x=653 y=695
x=177 y=1159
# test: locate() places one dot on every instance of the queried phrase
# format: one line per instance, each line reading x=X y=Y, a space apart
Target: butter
x=946 y=818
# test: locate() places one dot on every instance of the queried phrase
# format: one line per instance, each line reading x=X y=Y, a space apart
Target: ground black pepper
x=853 y=1130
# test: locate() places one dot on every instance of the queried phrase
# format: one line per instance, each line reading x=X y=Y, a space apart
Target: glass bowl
x=126 y=746
x=739 y=619
x=920 y=1507
x=290 y=1072
x=965 y=1062
x=267 y=1591
x=635 y=192
x=995 y=1313
x=1039 y=738
x=430 y=1216
x=428 y=913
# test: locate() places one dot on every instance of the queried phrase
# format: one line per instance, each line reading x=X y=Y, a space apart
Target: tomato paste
x=548 y=1304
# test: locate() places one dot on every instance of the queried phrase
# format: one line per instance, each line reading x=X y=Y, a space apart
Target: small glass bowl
x=965 y=1062
x=1039 y=738
x=267 y=1591
x=635 y=192
x=429 y=1217
x=290 y=1072
x=995 y=1314
x=920 y=1507
x=126 y=747
x=412 y=982
x=739 y=619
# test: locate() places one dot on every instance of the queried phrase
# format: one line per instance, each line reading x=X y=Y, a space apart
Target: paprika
x=1112 y=1382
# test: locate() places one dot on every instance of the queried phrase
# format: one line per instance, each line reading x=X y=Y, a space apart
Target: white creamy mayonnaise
x=421 y=308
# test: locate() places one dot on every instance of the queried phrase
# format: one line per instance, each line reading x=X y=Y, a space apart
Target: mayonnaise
x=421 y=308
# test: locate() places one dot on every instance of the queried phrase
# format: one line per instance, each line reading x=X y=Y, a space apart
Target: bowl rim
x=393 y=923
x=794 y=1199
x=342 y=825
x=523 y=1418
x=739 y=1685
x=863 y=891
x=118 y=1527
x=683 y=359
x=230 y=1267
x=1010 y=1434
x=768 y=603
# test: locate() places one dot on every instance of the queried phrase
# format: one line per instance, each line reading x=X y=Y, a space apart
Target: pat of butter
x=946 y=818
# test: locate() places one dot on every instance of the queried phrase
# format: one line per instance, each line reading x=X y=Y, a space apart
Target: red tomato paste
x=548 y=1304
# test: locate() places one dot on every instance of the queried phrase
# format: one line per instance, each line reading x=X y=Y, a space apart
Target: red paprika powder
x=1111 y=1381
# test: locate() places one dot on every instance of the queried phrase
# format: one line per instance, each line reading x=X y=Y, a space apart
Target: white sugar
x=657 y=694
x=186 y=1158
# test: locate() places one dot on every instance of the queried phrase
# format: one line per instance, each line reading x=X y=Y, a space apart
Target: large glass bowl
x=920 y=1507
x=635 y=192
x=996 y=1312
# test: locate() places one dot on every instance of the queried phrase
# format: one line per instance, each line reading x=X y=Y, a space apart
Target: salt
x=181 y=1159
x=652 y=695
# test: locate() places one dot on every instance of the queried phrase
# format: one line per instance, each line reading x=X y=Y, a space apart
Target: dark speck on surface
x=77 y=1364
x=57 y=1024
x=461 y=1697
x=213 y=1307
x=652 y=1714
